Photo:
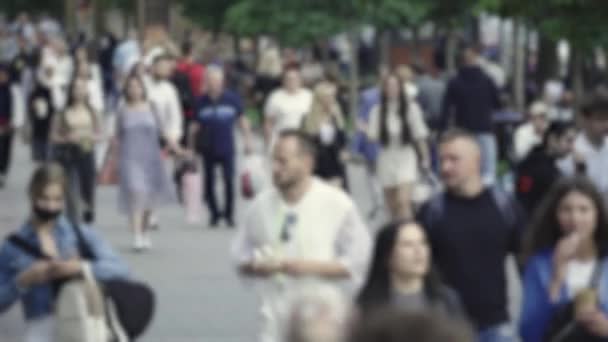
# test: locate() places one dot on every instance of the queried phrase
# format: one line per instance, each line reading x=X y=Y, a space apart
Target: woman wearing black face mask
x=30 y=280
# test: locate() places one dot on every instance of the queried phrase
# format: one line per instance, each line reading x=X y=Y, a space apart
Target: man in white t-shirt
x=591 y=146
x=299 y=229
x=286 y=106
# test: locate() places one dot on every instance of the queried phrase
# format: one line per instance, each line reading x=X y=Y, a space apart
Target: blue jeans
x=498 y=333
x=489 y=154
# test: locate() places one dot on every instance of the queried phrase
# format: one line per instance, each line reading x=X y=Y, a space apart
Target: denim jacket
x=537 y=309
x=37 y=300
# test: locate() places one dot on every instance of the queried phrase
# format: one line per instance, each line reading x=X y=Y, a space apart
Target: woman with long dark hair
x=74 y=133
x=566 y=269
x=401 y=274
x=398 y=125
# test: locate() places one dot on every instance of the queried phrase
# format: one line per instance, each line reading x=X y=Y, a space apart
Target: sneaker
x=153 y=223
x=213 y=223
x=230 y=223
x=138 y=243
x=146 y=241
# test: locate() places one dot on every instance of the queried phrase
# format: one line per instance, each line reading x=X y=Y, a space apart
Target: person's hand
x=37 y=273
x=565 y=249
x=65 y=269
x=594 y=322
x=564 y=252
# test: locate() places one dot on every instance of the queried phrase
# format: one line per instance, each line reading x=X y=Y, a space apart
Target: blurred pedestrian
x=401 y=274
x=591 y=145
x=470 y=100
x=74 y=133
x=11 y=119
x=473 y=229
x=565 y=286
x=398 y=125
x=212 y=136
x=284 y=239
x=33 y=282
x=40 y=115
x=325 y=123
x=539 y=171
x=530 y=133
x=394 y=325
x=287 y=106
x=318 y=313
x=145 y=184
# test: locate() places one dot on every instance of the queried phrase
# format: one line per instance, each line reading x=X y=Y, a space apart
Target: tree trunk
x=141 y=17
x=547 y=61
x=99 y=14
x=519 y=70
x=416 y=56
x=354 y=75
x=451 y=51
x=385 y=49
x=578 y=82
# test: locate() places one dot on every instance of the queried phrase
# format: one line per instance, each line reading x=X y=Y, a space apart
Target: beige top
x=80 y=122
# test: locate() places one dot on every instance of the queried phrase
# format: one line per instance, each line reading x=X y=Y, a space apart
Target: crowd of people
x=434 y=272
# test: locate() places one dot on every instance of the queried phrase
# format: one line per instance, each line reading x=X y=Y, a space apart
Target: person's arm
x=243 y=250
x=9 y=287
x=193 y=130
x=244 y=125
x=270 y=113
x=108 y=264
x=176 y=118
x=18 y=110
x=536 y=307
x=420 y=134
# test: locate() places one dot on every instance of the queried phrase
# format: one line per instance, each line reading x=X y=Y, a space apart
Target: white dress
x=397 y=162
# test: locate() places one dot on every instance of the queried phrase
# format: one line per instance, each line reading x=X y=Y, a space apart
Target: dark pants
x=209 y=165
x=40 y=149
x=6 y=147
x=82 y=177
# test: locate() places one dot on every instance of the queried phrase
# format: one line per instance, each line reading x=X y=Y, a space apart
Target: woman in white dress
x=398 y=126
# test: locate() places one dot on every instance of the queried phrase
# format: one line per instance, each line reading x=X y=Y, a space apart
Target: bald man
x=212 y=136
x=472 y=229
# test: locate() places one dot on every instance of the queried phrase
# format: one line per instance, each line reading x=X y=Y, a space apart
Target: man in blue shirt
x=212 y=135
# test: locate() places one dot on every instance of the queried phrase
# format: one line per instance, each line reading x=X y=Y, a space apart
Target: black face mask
x=46 y=215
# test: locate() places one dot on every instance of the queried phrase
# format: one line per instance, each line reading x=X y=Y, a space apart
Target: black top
x=41 y=122
x=536 y=174
x=470 y=240
x=471 y=98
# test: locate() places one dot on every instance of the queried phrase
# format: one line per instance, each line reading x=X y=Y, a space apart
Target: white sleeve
x=353 y=246
x=18 y=104
x=519 y=143
x=175 y=129
x=373 y=125
x=243 y=246
x=271 y=111
x=418 y=126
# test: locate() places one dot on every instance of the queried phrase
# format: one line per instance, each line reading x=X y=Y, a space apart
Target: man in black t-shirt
x=472 y=229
